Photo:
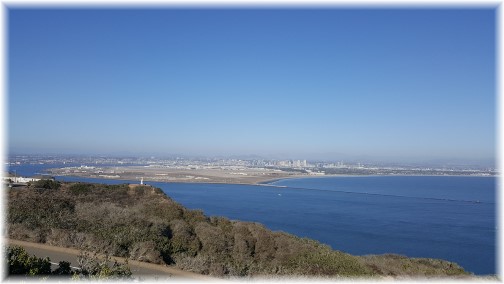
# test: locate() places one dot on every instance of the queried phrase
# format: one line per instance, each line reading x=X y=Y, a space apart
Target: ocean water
x=452 y=218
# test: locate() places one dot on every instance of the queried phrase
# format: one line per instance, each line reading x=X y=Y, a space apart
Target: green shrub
x=63 y=268
x=81 y=188
x=184 y=239
x=20 y=263
x=98 y=268
x=46 y=184
x=195 y=216
x=163 y=211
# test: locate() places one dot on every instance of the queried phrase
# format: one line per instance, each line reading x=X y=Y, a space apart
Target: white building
x=24 y=179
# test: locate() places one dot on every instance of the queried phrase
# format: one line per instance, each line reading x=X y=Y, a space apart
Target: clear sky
x=309 y=83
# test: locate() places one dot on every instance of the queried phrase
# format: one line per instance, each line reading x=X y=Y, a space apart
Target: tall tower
x=141 y=181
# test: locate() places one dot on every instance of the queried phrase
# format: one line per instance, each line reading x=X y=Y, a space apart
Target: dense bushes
x=20 y=263
x=90 y=267
x=81 y=188
x=393 y=264
x=46 y=184
x=141 y=222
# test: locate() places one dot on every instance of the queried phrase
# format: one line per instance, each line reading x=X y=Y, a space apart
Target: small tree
x=64 y=268
x=20 y=263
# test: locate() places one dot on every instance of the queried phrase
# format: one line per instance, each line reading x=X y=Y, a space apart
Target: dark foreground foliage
x=142 y=223
x=90 y=267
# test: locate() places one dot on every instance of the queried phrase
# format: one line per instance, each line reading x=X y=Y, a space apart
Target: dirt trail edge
x=161 y=269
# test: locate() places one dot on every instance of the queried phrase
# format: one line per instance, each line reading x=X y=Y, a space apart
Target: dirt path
x=143 y=269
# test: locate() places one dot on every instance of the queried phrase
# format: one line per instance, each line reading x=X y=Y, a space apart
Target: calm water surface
x=451 y=218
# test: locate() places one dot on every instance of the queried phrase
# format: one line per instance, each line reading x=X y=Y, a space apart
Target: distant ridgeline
x=142 y=223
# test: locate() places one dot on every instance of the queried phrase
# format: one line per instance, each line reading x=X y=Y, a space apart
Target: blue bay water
x=459 y=227
x=451 y=218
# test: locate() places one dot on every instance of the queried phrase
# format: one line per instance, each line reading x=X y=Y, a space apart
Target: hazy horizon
x=390 y=85
x=320 y=157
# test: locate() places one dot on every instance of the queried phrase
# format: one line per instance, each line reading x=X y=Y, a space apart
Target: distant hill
x=142 y=223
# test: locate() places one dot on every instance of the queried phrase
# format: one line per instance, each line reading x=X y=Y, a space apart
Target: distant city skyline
x=406 y=85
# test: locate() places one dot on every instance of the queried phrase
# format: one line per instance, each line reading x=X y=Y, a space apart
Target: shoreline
x=268 y=182
x=239 y=176
x=352 y=176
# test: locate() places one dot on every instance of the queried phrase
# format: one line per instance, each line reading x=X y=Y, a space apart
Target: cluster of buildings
x=292 y=163
x=86 y=164
x=10 y=179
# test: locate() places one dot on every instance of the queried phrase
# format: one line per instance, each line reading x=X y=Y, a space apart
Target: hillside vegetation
x=142 y=223
x=20 y=264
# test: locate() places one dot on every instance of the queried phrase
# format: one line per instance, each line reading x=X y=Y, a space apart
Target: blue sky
x=390 y=84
